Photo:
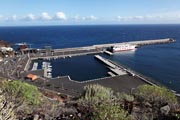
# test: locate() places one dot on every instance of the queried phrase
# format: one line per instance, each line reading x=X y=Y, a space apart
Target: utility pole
x=62 y=86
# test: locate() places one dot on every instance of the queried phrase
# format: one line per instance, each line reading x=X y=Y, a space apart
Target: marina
x=80 y=68
x=113 y=69
x=90 y=60
x=62 y=70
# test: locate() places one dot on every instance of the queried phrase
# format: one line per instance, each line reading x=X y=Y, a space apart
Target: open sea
x=159 y=62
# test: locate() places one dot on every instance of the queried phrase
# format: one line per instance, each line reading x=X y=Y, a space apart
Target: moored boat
x=123 y=47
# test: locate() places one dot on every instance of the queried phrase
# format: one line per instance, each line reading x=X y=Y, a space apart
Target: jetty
x=108 y=52
x=100 y=48
x=113 y=67
x=111 y=74
x=118 y=71
x=105 y=61
x=150 y=42
x=138 y=43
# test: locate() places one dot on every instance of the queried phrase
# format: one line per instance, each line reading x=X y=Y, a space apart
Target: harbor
x=90 y=60
x=112 y=74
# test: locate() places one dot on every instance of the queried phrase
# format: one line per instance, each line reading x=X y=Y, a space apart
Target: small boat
x=49 y=73
x=50 y=66
x=49 y=69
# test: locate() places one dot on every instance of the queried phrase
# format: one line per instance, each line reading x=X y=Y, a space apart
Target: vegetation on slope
x=155 y=94
x=7 y=108
x=22 y=91
x=155 y=102
x=96 y=103
x=97 y=93
x=104 y=103
x=20 y=97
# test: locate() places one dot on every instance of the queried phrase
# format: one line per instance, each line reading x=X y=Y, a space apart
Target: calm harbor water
x=79 y=68
x=160 y=62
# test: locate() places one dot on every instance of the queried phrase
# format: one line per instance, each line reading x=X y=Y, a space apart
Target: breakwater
x=68 y=52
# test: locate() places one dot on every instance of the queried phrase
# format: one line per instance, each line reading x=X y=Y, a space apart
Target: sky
x=80 y=12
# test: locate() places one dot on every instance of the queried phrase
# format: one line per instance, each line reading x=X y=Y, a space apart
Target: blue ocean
x=159 y=62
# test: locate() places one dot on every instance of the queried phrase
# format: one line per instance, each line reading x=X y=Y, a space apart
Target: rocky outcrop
x=6 y=108
x=165 y=110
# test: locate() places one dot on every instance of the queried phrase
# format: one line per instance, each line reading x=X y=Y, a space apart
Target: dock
x=138 y=43
x=151 y=42
x=105 y=61
x=94 y=49
x=118 y=71
x=35 y=66
x=108 y=52
x=46 y=66
x=111 y=74
x=113 y=67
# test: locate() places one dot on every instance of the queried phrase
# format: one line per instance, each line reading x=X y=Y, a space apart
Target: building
x=4 y=44
x=5 y=49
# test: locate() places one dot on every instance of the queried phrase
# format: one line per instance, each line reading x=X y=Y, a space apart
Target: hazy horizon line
x=89 y=24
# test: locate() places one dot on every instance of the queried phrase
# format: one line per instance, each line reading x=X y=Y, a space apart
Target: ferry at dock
x=123 y=47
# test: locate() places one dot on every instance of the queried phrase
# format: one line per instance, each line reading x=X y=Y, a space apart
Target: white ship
x=123 y=47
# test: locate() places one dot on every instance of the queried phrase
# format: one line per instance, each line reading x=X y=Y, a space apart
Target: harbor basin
x=79 y=68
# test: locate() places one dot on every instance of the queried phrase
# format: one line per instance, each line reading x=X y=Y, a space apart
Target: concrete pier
x=111 y=74
x=105 y=61
x=150 y=42
x=108 y=52
x=138 y=43
x=65 y=52
x=118 y=71
x=114 y=68
x=47 y=69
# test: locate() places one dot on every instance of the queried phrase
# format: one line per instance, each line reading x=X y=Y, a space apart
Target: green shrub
x=97 y=93
x=103 y=103
x=156 y=94
x=124 y=96
x=110 y=111
x=22 y=91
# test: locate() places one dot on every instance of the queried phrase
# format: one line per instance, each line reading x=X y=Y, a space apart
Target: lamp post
x=132 y=89
x=62 y=85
